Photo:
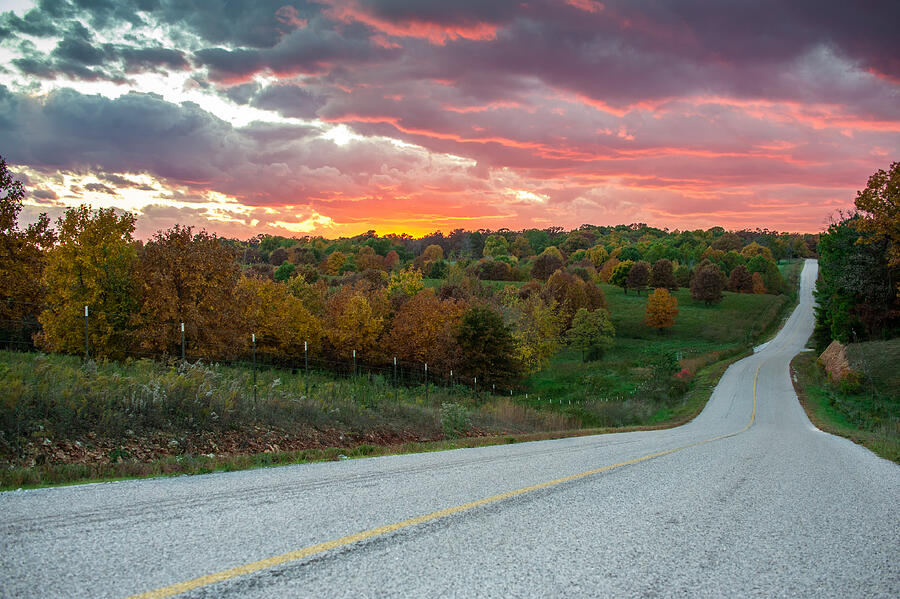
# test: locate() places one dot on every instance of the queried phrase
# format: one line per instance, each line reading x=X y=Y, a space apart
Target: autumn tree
x=312 y=295
x=188 y=277
x=597 y=255
x=520 y=247
x=391 y=260
x=570 y=294
x=592 y=333
x=662 y=275
x=487 y=347
x=354 y=320
x=537 y=326
x=638 y=276
x=278 y=256
x=407 y=282
x=741 y=281
x=879 y=205
x=432 y=253
x=334 y=263
x=727 y=241
x=278 y=319
x=662 y=308
x=367 y=259
x=757 y=285
x=607 y=269
x=424 y=330
x=754 y=249
x=92 y=265
x=22 y=257
x=547 y=263
x=707 y=284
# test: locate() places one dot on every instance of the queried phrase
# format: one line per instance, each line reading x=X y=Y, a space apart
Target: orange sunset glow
x=338 y=117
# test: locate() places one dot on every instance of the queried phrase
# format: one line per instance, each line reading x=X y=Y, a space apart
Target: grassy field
x=702 y=335
x=62 y=421
x=865 y=409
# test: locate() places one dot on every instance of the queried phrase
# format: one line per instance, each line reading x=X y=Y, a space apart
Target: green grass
x=867 y=410
x=701 y=335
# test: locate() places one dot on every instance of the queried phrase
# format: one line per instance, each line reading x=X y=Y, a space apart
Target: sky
x=338 y=117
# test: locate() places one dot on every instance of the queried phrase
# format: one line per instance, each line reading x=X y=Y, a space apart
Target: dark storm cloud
x=306 y=50
x=289 y=100
x=186 y=147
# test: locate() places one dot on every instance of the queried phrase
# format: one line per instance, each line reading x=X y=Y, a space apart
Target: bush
x=454 y=420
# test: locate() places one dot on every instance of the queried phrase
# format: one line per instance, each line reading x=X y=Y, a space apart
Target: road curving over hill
x=749 y=499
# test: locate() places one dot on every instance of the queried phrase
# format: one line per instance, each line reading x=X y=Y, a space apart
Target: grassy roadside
x=865 y=411
x=370 y=404
x=48 y=475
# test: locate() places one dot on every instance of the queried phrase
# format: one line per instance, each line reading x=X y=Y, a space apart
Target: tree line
x=430 y=300
x=858 y=293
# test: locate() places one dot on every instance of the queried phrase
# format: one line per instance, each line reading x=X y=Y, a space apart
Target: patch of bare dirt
x=91 y=449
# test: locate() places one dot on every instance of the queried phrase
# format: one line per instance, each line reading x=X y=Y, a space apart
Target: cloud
x=666 y=110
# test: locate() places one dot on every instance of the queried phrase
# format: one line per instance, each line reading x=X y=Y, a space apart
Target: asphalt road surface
x=749 y=499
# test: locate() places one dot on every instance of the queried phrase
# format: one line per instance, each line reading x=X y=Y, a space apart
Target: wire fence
x=259 y=352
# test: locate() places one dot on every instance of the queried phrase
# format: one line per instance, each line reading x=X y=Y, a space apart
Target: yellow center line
x=292 y=556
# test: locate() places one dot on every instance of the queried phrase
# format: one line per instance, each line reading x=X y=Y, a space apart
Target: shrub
x=454 y=420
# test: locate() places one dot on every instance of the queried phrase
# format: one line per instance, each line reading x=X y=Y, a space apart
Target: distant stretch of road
x=749 y=499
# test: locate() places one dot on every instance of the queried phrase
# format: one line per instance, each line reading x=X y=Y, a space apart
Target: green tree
x=496 y=246
x=284 y=272
x=619 y=276
x=92 y=265
x=487 y=347
x=771 y=276
x=592 y=333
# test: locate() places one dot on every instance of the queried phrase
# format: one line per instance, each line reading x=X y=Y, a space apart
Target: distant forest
x=488 y=304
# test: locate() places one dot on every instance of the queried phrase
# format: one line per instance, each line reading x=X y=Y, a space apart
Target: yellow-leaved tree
x=92 y=265
x=662 y=307
x=354 y=320
x=279 y=320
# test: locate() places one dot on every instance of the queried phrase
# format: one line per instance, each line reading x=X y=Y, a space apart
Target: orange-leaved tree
x=423 y=330
x=662 y=307
x=189 y=278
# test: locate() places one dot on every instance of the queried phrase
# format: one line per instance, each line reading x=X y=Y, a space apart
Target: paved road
x=776 y=508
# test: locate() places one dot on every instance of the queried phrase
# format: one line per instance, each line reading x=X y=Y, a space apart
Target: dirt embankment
x=91 y=449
